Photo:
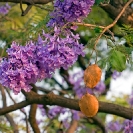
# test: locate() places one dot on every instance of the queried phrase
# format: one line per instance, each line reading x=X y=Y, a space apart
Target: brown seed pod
x=89 y=105
x=92 y=76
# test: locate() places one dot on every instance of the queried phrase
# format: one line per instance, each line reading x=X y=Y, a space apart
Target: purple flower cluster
x=62 y=51
x=114 y=126
x=36 y=61
x=128 y=128
x=75 y=115
x=78 y=84
x=4 y=9
x=43 y=112
x=52 y=112
x=56 y=110
x=66 y=11
x=24 y=65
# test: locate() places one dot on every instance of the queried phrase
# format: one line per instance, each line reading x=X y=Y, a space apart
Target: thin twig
x=26 y=117
x=44 y=8
x=32 y=115
x=8 y=117
x=111 y=25
x=89 y=25
x=48 y=125
x=21 y=7
x=26 y=10
x=114 y=22
x=73 y=126
x=29 y=6
x=97 y=121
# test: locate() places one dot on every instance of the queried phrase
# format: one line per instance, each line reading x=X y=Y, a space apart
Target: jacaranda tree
x=57 y=61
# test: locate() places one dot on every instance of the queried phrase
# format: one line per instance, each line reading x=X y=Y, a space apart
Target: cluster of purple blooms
x=66 y=11
x=38 y=60
x=52 y=112
x=128 y=126
x=4 y=9
x=76 y=80
x=115 y=126
x=57 y=111
x=23 y=66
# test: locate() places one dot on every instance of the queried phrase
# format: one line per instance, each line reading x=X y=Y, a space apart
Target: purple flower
x=128 y=128
x=40 y=106
x=66 y=11
x=116 y=74
x=75 y=115
x=39 y=121
x=66 y=123
x=62 y=51
x=38 y=60
x=22 y=67
x=100 y=87
x=78 y=84
x=114 y=126
x=56 y=110
x=4 y=9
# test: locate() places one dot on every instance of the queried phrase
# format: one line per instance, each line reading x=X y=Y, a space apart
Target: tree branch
x=99 y=123
x=73 y=126
x=114 y=8
x=14 y=107
x=114 y=22
x=32 y=115
x=52 y=99
x=32 y=118
x=28 y=1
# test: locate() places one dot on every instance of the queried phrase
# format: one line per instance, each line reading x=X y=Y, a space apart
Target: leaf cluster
x=128 y=34
x=14 y=27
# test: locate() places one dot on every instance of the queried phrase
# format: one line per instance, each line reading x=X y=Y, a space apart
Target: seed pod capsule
x=92 y=76
x=89 y=105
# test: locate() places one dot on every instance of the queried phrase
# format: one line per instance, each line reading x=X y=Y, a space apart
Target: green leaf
x=125 y=50
x=103 y=63
x=98 y=1
x=117 y=60
x=97 y=30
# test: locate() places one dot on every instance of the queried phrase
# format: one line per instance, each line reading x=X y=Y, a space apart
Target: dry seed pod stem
x=92 y=76
x=89 y=105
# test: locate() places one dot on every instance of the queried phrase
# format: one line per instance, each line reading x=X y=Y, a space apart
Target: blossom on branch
x=38 y=60
x=66 y=11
